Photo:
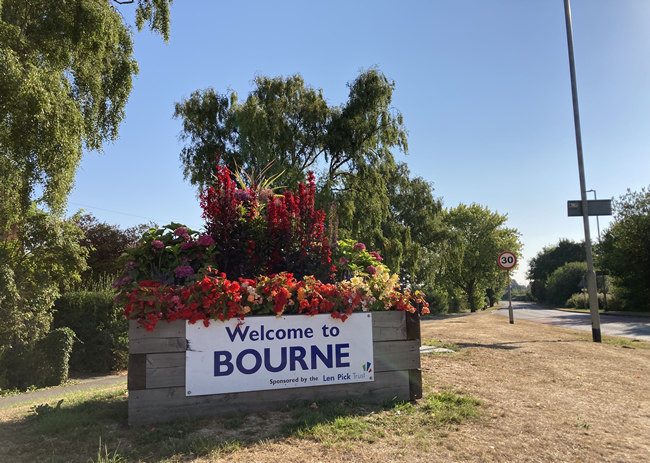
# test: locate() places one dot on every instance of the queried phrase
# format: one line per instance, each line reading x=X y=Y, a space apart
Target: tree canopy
x=105 y=243
x=474 y=237
x=33 y=270
x=626 y=248
x=66 y=70
x=548 y=260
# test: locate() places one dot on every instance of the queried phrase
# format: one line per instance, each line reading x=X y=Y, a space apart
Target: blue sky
x=483 y=86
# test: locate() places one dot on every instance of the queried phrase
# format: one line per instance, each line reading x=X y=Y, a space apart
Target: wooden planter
x=157 y=374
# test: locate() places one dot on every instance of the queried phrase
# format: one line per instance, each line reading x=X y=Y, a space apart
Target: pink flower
x=205 y=240
x=376 y=256
x=158 y=244
x=188 y=244
x=182 y=232
x=183 y=271
x=371 y=270
x=343 y=261
x=359 y=247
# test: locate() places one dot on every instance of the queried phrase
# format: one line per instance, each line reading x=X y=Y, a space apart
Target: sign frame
x=507 y=253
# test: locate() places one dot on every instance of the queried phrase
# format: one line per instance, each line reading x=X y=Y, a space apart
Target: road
x=612 y=325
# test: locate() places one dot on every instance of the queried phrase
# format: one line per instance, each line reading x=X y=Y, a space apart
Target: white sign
x=264 y=353
x=507 y=260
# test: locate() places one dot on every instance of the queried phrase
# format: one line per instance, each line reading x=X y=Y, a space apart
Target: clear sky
x=483 y=86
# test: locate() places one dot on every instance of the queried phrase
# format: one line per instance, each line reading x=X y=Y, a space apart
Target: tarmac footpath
x=45 y=395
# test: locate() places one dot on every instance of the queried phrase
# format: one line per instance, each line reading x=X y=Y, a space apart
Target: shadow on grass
x=509 y=345
x=73 y=431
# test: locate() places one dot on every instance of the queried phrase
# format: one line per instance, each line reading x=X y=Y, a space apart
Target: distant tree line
x=623 y=255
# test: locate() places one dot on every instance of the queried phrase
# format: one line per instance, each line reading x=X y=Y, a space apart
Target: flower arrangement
x=262 y=253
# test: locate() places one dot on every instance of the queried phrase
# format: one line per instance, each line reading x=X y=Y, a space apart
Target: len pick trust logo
x=366 y=367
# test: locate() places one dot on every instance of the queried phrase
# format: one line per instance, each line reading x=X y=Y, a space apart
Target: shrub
x=564 y=281
x=577 y=301
x=41 y=364
x=101 y=329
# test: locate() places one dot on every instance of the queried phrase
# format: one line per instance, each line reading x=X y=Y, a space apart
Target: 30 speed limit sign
x=507 y=260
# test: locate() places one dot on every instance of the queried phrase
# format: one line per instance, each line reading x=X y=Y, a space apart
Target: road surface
x=612 y=325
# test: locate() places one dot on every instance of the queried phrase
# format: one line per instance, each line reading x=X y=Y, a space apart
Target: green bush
x=577 y=301
x=564 y=281
x=101 y=329
x=41 y=364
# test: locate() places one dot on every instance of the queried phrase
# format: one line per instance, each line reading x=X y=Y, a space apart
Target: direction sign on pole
x=594 y=207
x=507 y=260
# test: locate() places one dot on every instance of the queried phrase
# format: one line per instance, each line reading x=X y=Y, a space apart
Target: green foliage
x=102 y=332
x=66 y=70
x=161 y=250
x=42 y=258
x=626 y=249
x=352 y=258
x=577 y=301
x=105 y=244
x=42 y=363
x=412 y=229
x=549 y=259
x=45 y=409
x=563 y=282
x=473 y=238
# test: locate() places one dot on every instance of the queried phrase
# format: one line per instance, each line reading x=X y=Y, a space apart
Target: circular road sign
x=507 y=260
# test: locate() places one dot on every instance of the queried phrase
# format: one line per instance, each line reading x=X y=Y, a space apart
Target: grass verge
x=91 y=426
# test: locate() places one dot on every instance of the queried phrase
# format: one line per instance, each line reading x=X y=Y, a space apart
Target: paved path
x=610 y=324
x=47 y=394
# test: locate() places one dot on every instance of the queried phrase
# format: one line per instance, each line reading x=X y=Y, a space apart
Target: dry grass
x=547 y=395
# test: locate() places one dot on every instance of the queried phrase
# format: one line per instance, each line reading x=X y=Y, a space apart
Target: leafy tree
x=563 y=282
x=66 y=70
x=412 y=228
x=38 y=261
x=549 y=259
x=105 y=244
x=474 y=237
x=288 y=122
x=626 y=248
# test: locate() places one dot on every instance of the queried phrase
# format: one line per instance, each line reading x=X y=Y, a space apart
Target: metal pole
x=591 y=275
x=602 y=269
x=512 y=316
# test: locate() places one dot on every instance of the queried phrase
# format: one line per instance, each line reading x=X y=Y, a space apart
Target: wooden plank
x=175 y=329
x=166 y=370
x=173 y=359
x=388 y=326
x=415 y=384
x=155 y=405
x=166 y=377
x=137 y=372
x=156 y=345
x=412 y=325
x=396 y=355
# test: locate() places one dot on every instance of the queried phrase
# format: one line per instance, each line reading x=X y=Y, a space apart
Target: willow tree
x=66 y=70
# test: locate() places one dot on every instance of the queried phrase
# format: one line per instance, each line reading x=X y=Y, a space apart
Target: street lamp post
x=591 y=275
x=600 y=245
